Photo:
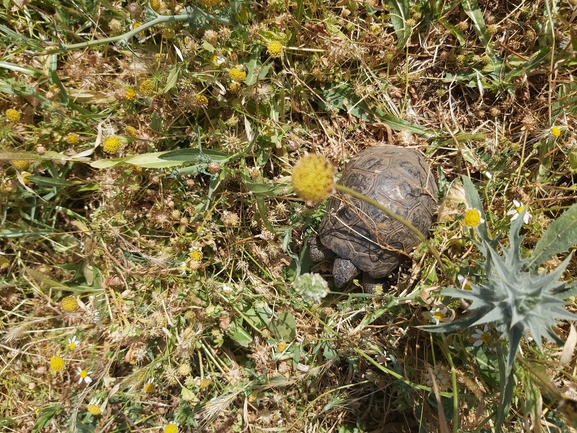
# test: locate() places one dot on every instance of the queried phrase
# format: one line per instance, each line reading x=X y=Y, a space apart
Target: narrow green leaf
x=559 y=237
x=147 y=160
x=471 y=8
x=195 y=155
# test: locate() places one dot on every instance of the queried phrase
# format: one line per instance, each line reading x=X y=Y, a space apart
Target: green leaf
x=399 y=15
x=558 y=238
x=239 y=334
x=147 y=160
x=471 y=8
x=196 y=155
x=284 y=328
x=46 y=416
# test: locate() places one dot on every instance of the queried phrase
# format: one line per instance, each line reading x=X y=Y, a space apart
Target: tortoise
x=361 y=238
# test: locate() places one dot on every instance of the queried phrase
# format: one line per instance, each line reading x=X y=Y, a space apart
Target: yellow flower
x=146 y=87
x=204 y=382
x=155 y=5
x=171 y=428
x=72 y=139
x=130 y=131
x=472 y=218
x=313 y=178
x=195 y=254
x=281 y=346
x=201 y=100
x=111 y=144
x=555 y=131
x=56 y=363
x=130 y=94
x=84 y=376
x=234 y=87
x=217 y=60
x=94 y=407
x=149 y=386
x=26 y=177
x=69 y=304
x=237 y=74
x=20 y=164
x=73 y=343
x=12 y=115
x=274 y=49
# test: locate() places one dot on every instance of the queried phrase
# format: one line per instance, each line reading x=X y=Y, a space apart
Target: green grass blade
x=471 y=8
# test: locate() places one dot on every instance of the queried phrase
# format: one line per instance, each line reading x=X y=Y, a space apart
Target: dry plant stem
x=189 y=11
x=396 y=217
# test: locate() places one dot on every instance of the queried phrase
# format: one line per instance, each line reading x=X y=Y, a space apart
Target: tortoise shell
x=363 y=235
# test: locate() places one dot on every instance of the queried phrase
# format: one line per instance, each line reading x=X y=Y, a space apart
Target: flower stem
x=190 y=12
x=396 y=217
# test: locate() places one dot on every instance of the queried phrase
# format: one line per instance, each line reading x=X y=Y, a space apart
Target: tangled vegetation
x=154 y=273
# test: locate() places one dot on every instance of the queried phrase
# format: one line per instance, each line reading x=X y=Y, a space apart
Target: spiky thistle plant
x=513 y=295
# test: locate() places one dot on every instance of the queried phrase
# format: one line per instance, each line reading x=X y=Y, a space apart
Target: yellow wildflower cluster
x=12 y=115
x=237 y=74
x=274 y=49
x=313 y=178
x=146 y=87
x=111 y=144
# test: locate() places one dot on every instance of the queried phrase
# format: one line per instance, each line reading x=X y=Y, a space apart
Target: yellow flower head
x=217 y=60
x=195 y=254
x=171 y=428
x=237 y=74
x=149 y=387
x=130 y=93
x=155 y=5
x=130 y=131
x=69 y=304
x=146 y=87
x=204 y=382
x=274 y=49
x=555 y=131
x=234 y=87
x=26 y=175
x=94 y=408
x=201 y=100
x=56 y=363
x=12 y=115
x=472 y=218
x=313 y=178
x=111 y=144
x=72 y=139
x=20 y=164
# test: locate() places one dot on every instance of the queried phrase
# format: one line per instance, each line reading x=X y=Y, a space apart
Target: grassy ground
x=143 y=293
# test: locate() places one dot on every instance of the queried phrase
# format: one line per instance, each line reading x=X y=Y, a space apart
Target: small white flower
x=73 y=343
x=438 y=315
x=84 y=376
x=518 y=207
x=481 y=336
